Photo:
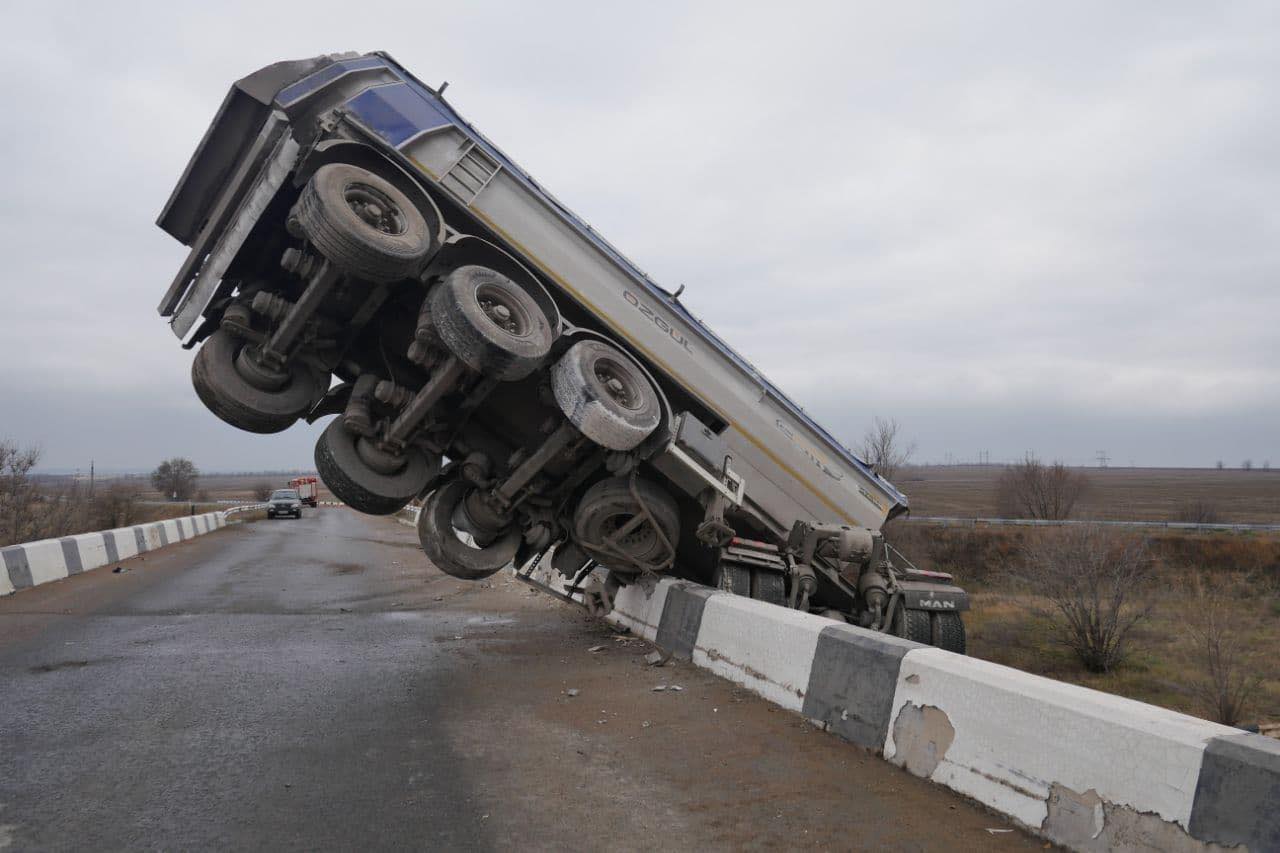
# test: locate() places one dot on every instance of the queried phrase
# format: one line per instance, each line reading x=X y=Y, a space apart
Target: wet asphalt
x=316 y=685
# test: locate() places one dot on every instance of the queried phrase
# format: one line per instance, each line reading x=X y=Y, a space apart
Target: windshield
x=283 y=494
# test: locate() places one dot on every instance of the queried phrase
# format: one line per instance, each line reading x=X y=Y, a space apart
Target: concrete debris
x=572 y=691
x=655 y=658
x=645 y=724
x=676 y=687
x=345 y=609
x=998 y=831
x=660 y=688
x=596 y=649
x=119 y=570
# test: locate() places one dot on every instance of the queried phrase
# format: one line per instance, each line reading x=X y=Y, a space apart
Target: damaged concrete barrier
x=1088 y=770
x=35 y=563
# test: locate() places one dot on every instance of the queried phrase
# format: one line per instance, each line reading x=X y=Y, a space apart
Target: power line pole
x=1103 y=459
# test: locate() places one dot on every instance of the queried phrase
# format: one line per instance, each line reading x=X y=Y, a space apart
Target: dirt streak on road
x=316 y=684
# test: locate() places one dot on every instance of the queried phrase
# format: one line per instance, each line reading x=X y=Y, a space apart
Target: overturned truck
x=361 y=252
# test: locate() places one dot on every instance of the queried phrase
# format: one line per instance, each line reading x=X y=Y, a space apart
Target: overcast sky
x=1012 y=226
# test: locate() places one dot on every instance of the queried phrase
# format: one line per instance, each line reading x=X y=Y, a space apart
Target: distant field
x=233 y=486
x=1122 y=494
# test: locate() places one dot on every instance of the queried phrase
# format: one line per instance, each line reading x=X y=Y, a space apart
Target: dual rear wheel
x=944 y=630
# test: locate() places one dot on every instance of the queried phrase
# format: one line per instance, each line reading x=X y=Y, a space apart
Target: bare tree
x=175 y=478
x=883 y=450
x=18 y=495
x=1199 y=511
x=1225 y=687
x=1093 y=579
x=1031 y=489
x=261 y=491
x=1247 y=465
x=1220 y=465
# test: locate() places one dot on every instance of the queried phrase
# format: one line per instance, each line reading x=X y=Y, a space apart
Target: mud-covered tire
x=463 y=306
x=612 y=419
x=360 y=487
x=769 y=586
x=608 y=505
x=947 y=631
x=914 y=625
x=449 y=553
x=231 y=397
x=395 y=248
x=730 y=577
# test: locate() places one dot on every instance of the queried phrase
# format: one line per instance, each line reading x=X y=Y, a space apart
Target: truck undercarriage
x=333 y=275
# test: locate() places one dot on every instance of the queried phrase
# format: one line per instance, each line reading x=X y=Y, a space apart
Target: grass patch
x=1162 y=664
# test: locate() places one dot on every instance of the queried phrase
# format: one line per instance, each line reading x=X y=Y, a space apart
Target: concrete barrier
x=1085 y=769
x=35 y=563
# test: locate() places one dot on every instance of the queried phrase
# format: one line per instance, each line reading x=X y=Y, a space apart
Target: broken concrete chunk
x=572 y=691
x=655 y=658
x=596 y=649
x=660 y=688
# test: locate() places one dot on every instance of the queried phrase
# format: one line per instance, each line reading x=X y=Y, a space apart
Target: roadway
x=317 y=684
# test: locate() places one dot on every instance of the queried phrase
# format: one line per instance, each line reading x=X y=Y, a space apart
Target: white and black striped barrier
x=1085 y=769
x=34 y=563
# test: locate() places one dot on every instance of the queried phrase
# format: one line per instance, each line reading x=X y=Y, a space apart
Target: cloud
x=1011 y=226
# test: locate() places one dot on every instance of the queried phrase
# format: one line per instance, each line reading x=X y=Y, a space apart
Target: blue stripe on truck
x=396 y=112
x=328 y=74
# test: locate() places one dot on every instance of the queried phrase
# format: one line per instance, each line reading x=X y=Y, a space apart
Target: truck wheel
x=733 y=578
x=351 y=479
x=914 y=625
x=605 y=395
x=608 y=506
x=444 y=546
x=948 y=632
x=225 y=391
x=363 y=224
x=490 y=323
x=769 y=586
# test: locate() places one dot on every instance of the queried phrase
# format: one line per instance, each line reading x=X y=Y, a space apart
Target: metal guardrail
x=241 y=508
x=1037 y=522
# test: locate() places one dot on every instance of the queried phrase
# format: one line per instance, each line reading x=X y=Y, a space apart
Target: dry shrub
x=115 y=506
x=1199 y=511
x=1032 y=489
x=1094 y=580
x=1225 y=686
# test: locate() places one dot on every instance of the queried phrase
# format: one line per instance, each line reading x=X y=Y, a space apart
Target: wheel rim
x=375 y=208
x=618 y=383
x=258 y=374
x=639 y=542
x=503 y=310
